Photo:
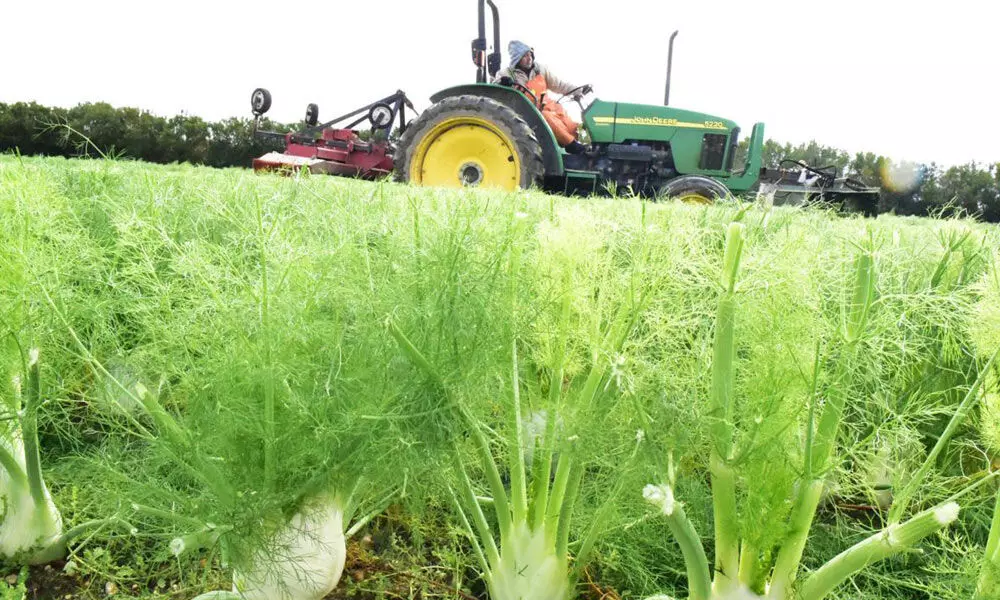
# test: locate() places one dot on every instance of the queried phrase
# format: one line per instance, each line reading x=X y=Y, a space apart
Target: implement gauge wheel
x=312 y=115
x=694 y=189
x=260 y=101
x=469 y=141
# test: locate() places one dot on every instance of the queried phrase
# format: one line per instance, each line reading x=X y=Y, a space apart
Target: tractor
x=485 y=134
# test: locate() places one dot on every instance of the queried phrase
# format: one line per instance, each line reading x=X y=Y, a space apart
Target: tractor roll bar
x=493 y=61
x=479 y=45
x=486 y=66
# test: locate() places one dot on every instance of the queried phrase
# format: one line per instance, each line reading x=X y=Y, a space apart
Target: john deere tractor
x=482 y=134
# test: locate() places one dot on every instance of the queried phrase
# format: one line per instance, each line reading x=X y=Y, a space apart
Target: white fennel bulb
x=26 y=527
x=528 y=568
x=308 y=559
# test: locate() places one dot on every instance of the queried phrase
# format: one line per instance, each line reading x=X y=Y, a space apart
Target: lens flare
x=902 y=178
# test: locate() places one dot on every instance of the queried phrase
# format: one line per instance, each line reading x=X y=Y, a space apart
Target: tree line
x=34 y=129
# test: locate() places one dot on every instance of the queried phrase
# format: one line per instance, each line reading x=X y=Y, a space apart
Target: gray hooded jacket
x=522 y=77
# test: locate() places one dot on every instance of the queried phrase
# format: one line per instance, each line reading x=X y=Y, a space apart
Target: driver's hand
x=583 y=91
x=506 y=80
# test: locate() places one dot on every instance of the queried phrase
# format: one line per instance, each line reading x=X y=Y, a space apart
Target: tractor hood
x=616 y=122
x=619 y=122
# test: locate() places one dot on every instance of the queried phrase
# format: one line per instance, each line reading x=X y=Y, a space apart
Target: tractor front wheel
x=694 y=189
x=469 y=141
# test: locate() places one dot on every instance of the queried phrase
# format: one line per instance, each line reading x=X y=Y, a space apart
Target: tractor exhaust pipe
x=670 y=64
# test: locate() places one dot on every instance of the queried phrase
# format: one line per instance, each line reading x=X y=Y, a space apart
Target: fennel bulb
x=307 y=556
x=528 y=568
x=27 y=526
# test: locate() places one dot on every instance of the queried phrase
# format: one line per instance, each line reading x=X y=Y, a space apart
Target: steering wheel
x=572 y=95
x=526 y=91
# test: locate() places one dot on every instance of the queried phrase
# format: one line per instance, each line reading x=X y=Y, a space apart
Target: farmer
x=524 y=71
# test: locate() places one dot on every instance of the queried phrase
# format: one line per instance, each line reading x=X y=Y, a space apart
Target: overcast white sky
x=916 y=82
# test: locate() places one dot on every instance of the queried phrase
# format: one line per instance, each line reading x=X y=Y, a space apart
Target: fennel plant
x=253 y=433
x=31 y=527
x=985 y=331
x=741 y=568
x=522 y=536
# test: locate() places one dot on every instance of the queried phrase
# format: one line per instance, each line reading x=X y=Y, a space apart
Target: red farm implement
x=335 y=147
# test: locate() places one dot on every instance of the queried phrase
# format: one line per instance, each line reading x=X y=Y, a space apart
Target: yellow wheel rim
x=466 y=151
x=694 y=198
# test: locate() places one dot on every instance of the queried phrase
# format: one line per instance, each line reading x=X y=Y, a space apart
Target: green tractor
x=483 y=134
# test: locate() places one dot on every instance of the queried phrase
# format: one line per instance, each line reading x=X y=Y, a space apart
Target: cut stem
x=821 y=438
x=727 y=550
x=476 y=546
x=519 y=484
x=695 y=559
x=989 y=578
x=902 y=500
x=542 y=461
x=786 y=566
x=749 y=565
x=500 y=502
x=727 y=545
x=167 y=516
x=559 y=487
x=566 y=512
x=59 y=546
x=891 y=540
x=29 y=432
x=478 y=518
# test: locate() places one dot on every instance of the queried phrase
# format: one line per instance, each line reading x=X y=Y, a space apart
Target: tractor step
x=580 y=182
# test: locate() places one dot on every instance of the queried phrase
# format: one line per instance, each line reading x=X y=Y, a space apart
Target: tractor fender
x=551 y=154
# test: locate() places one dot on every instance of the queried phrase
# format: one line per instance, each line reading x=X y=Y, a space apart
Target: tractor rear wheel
x=694 y=189
x=469 y=141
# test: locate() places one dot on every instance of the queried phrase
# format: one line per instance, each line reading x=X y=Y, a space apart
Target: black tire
x=500 y=115
x=260 y=101
x=694 y=185
x=312 y=115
